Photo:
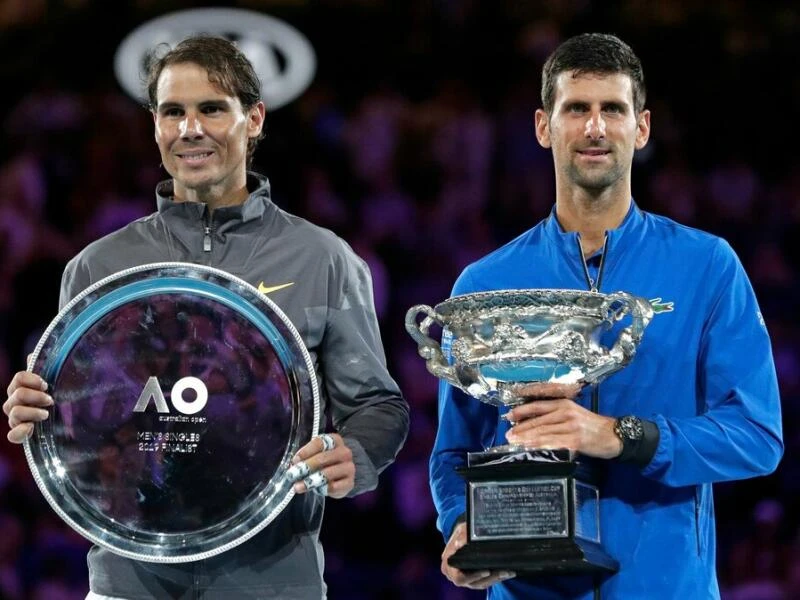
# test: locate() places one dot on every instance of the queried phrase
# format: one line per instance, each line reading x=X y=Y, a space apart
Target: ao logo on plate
x=282 y=57
x=152 y=391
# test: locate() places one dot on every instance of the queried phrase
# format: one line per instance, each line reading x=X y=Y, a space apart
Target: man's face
x=593 y=129
x=202 y=132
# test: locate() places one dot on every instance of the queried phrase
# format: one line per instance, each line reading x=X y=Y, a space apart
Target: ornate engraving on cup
x=499 y=340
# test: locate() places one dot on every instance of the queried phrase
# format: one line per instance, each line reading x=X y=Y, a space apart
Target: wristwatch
x=630 y=431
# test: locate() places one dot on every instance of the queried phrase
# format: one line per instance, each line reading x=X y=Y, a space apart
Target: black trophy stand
x=532 y=512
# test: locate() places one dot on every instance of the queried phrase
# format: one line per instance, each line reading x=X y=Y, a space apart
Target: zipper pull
x=589 y=279
x=207 y=240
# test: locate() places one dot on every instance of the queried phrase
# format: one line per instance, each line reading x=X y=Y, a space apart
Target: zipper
x=697 y=517
x=593 y=286
x=206 y=236
x=196 y=580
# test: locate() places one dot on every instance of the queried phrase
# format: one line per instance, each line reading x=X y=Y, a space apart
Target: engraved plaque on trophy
x=181 y=394
x=530 y=510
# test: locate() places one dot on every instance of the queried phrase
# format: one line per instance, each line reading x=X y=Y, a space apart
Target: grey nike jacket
x=330 y=302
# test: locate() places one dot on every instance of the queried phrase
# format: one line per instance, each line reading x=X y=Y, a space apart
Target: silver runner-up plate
x=181 y=394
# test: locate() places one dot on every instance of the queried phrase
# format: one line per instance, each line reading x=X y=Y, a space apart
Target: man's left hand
x=330 y=470
x=562 y=423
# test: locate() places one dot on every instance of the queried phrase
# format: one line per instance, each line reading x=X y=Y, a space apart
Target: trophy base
x=535 y=557
x=532 y=512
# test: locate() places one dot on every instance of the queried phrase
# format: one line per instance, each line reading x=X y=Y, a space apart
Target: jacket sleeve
x=738 y=432
x=367 y=408
x=465 y=425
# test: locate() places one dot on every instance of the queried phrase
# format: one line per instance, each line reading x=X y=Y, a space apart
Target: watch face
x=631 y=428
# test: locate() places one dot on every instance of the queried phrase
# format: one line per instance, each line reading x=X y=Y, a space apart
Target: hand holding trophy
x=530 y=509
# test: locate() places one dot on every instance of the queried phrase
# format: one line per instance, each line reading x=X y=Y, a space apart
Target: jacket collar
x=624 y=239
x=627 y=234
x=252 y=208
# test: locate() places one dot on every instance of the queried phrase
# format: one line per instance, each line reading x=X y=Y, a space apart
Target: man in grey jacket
x=208 y=115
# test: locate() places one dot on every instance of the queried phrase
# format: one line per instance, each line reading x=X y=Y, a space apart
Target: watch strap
x=640 y=452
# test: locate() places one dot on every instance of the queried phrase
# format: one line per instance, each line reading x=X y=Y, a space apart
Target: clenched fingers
x=537 y=408
x=541 y=391
x=26 y=414
x=559 y=435
x=329 y=455
x=571 y=426
x=339 y=479
x=316 y=457
x=20 y=433
x=26 y=379
x=477 y=580
x=319 y=445
x=340 y=458
x=21 y=419
x=22 y=401
x=545 y=412
x=490 y=578
x=26 y=404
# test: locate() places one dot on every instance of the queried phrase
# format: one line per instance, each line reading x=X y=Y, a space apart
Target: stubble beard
x=199 y=184
x=594 y=181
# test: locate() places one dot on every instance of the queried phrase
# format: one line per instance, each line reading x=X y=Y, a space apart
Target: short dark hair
x=592 y=53
x=227 y=67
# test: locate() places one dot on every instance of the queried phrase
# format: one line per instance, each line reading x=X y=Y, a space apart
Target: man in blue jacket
x=699 y=403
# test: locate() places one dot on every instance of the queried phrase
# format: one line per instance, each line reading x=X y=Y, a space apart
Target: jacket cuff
x=662 y=459
x=366 y=478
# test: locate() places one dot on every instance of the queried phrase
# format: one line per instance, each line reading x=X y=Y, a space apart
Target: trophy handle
x=428 y=348
x=622 y=352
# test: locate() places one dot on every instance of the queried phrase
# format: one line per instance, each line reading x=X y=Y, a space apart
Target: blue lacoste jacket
x=703 y=373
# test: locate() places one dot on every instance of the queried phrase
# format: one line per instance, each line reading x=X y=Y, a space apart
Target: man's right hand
x=476 y=580
x=27 y=400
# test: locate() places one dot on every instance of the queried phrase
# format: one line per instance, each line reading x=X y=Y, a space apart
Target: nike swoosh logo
x=273 y=288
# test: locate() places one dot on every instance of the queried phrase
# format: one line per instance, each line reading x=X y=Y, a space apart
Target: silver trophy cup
x=530 y=510
x=500 y=340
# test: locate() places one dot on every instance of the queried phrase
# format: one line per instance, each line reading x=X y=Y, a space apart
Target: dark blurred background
x=414 y=143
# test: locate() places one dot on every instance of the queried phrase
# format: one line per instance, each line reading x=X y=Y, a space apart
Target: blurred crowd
x=415 y=143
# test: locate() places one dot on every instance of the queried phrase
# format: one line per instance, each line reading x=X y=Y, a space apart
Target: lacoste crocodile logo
x=273 y=288
x=661 y=307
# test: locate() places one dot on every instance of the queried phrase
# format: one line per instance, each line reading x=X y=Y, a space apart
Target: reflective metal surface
x=181 y=394
x=499 y=340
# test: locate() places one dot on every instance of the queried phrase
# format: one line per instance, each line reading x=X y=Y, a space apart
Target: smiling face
x=202 y=134
x=593 y=130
